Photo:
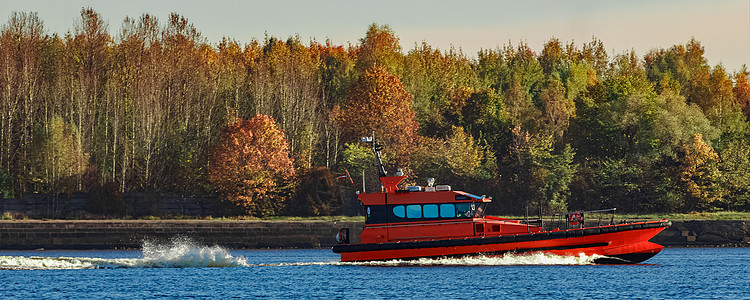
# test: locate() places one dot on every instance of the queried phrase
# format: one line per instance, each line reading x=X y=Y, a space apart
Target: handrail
x=587 y=211
x=580 y=224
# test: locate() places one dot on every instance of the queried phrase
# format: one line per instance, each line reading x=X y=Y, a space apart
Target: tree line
x=572 y=126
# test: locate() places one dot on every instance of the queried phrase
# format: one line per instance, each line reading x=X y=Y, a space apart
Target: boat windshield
x=470 y=210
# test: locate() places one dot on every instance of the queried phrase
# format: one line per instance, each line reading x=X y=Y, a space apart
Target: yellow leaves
x=700 y=171
x=59 y=156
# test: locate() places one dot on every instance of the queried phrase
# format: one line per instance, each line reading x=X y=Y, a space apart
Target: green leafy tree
x=606 y=183
x=6 y=187
x=535 y=175
x=484 y=117
x=433 y=77
x=492 y=69
x=358 y=159
x=558 y=109
x=734 y=168
x=684 y=64
x=455 y=159
x=337 y=72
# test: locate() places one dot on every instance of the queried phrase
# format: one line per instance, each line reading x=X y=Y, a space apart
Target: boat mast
x=376 y=148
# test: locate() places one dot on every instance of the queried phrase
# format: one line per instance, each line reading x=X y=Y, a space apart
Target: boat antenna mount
x=376 y=148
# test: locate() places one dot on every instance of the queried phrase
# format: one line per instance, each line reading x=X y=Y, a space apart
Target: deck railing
x=577 y=219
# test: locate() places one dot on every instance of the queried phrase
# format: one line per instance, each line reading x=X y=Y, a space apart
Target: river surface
x=181 y=269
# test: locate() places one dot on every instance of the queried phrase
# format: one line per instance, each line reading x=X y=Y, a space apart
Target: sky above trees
x=723 y=27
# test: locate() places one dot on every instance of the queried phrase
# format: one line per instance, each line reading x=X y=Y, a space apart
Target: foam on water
x=178 y=253
x=184 y=253
x=504 y=260
x=510 y=259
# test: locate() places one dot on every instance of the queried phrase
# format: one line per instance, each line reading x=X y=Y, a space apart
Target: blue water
x=185 y=270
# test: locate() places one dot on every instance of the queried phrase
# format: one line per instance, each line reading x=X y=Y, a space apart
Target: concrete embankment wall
x=130 y=234
x=119 y=234
x=705 y=233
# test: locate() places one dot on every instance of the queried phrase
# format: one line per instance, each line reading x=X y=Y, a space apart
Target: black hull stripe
x=500 y=239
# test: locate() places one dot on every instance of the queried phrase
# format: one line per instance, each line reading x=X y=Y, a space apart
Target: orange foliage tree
x=250 y=166
x=742 y=91
x=379 y=102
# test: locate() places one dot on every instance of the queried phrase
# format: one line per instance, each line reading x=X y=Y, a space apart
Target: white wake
x=529 y=259
x=179 y=253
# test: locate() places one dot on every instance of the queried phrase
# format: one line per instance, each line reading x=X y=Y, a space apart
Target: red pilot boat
x=439 y=222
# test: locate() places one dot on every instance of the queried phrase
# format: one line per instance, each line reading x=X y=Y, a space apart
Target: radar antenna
x=376 y=148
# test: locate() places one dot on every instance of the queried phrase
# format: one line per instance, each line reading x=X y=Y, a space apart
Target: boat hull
x=617 y=244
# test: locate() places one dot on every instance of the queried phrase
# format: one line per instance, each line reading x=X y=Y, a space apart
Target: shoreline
x=276 y=234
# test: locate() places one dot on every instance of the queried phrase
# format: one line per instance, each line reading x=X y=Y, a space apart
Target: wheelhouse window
x=399 y=211
x=435 y=211
x=481 y=209
x=464 y=210
x=430 y=210
x=447 y=211
x=414 y=211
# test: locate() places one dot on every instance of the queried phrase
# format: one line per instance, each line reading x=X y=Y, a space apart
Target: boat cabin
x=432 y=213
x=426 y=214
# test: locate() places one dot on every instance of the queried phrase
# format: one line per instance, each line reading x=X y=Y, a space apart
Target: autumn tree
x=595 y=55
x=378 y=102
x=685 y=65
x=721 y=106
x=143 y=108
x=250 y=166
x=90 y=48
x=285 y=86
x=21 y=47
x=742 y=91
x=380 y=48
